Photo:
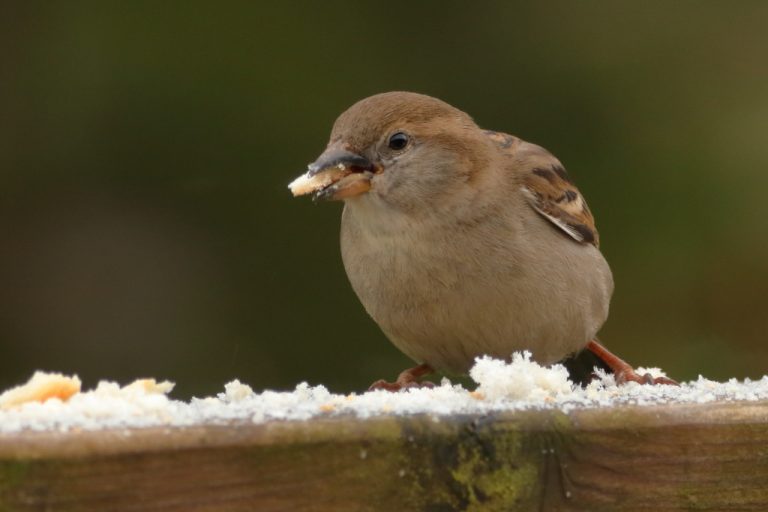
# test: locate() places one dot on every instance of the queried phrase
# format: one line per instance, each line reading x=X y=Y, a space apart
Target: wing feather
x=549 y=190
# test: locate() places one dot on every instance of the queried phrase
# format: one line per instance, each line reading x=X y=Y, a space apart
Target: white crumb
x=520 y=380
x=305 y=184
x=501 y=386
x=235 y=391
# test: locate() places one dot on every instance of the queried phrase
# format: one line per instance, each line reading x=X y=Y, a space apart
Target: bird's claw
x=407 y=379
x=630 y=375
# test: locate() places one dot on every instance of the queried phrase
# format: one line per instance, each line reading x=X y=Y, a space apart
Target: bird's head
x=406 y=150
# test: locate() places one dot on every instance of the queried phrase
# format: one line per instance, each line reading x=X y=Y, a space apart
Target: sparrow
x=462 y=242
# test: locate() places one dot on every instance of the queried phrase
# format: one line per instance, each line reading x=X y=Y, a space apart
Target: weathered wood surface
x=661 y=458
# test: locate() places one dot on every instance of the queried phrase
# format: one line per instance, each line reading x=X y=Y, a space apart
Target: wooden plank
x=674 y=457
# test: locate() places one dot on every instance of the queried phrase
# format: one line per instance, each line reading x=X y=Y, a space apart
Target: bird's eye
x=398 y=141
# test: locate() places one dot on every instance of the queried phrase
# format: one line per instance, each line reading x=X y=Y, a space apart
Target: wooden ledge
x=673 y=457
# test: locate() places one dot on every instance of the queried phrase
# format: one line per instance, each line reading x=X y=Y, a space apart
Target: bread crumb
x=150 y=386
x=236 y=391
x=41 y=387
x=502 y=386
x=306 y=184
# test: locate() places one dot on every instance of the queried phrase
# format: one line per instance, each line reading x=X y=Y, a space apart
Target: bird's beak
x=336 y=174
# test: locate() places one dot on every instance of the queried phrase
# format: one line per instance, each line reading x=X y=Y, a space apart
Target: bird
x=461 y=241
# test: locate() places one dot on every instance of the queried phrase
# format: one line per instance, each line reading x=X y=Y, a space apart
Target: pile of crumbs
x=55 y=402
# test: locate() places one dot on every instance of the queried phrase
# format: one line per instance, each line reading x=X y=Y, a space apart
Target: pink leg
x=622 y=371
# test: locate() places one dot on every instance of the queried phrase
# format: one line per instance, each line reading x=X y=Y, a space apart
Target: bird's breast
x=419 y=280
x=446 y=294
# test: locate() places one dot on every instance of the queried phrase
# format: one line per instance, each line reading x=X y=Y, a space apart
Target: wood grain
x=660 y=458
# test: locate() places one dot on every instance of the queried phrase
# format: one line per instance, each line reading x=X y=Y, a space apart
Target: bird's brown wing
x=549 y=189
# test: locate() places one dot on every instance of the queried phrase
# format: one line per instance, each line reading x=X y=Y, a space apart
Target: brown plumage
x=460 y=241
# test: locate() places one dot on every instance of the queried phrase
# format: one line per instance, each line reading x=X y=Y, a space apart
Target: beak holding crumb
x=350 y=186
x=309 y=183
x=337 y=174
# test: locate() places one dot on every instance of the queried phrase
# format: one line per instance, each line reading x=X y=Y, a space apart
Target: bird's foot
x=630 y=375
x=407 y=379
x=622 y=370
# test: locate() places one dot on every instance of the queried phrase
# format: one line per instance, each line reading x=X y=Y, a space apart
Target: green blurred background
x=145 y=149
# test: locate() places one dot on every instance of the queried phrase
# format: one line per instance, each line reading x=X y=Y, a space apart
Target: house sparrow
x=460 y=241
